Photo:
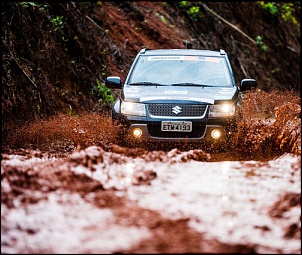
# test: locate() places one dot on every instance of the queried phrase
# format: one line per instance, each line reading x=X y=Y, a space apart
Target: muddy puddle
x=67 y=186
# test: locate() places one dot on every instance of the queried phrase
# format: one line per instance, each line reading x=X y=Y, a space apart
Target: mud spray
x=271 y=126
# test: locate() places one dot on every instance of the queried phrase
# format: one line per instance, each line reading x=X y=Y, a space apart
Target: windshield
x=181 y=70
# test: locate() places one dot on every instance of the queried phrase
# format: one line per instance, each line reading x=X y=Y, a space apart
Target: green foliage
x=193 y=11
x=270 y=7
x=285 y=10
x=104 y=72
x=163 y=18
x=260 y=44
x=102 y=92
x=41 y=7
x=28 y=4
x=58 y=23
x=183 y=3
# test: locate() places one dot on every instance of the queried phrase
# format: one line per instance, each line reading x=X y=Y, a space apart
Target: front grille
x=155 y=131
x=180 y=110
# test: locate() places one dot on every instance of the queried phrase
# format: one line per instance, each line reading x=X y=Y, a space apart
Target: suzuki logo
x=176 y=109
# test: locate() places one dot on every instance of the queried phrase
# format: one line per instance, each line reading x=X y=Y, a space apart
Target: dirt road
x=93 y=201
x=103 y=198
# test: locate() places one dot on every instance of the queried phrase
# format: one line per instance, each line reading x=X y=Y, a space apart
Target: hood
x=151 y=94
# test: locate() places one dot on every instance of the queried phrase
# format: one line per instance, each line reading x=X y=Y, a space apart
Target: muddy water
x=70 y=171
x=249 y=204
x=233 y=202
x=270 y=126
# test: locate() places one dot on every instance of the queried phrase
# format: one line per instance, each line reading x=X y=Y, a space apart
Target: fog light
x=216 y=134
x=137 y=132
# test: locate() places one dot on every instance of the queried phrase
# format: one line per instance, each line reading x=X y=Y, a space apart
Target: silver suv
x=178 y=95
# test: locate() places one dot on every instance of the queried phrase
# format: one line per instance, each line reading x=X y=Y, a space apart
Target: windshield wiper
x=146 y=83
x=191 y=84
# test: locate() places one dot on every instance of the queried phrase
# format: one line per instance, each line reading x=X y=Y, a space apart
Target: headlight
x=222 y=110
x=130 y=108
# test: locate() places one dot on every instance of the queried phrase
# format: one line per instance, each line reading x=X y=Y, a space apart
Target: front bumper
x=149 y=127
x=202 y=135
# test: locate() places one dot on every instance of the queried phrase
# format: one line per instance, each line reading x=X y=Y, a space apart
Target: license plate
x=176 y=126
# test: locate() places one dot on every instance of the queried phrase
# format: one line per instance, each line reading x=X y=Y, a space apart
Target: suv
x=178 y=95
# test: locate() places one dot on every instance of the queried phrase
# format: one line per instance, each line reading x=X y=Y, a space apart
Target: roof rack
x=222 y=52
x=144 y=50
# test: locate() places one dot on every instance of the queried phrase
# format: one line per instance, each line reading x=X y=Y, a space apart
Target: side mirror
x=248 y=84
x=113 y=82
